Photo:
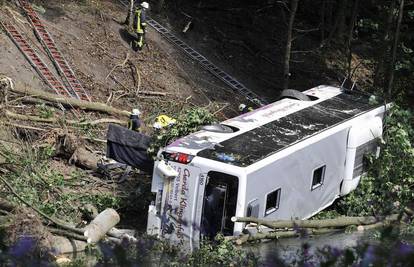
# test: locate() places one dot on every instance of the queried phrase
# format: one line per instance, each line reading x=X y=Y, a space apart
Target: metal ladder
x=65 y=71
x=235 y=85
x=37 y=63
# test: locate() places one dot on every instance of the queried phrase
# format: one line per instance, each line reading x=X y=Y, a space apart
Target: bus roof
x=269 y=129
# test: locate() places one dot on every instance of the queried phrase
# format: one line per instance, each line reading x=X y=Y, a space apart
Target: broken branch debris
x=71 y=102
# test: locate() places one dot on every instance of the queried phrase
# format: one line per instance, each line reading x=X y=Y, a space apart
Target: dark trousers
x=138 y=42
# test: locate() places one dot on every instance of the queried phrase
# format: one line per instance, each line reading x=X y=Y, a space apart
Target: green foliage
x=36 y=181
x=326 y=214
x=188 y=121
x=101 y=201
x=387 y=187
x=222 y=252
x=45 y=112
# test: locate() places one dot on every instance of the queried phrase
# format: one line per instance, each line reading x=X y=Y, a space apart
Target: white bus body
x=287 y=160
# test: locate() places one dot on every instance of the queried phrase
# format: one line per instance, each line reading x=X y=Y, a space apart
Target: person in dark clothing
x=244 y=109
x=134 y=122
x=140 y=25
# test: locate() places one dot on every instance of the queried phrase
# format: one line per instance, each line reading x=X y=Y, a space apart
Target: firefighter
x=140 y=25
x=134 y=121
x=244 y=109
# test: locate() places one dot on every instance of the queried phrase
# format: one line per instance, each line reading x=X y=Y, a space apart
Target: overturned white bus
x=286 y=160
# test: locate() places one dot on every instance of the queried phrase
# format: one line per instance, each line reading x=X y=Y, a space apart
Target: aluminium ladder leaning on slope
x=68 y=76
x=235 y=85
x=35 y=61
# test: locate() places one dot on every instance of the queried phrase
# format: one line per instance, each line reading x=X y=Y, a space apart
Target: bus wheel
x=294 y=94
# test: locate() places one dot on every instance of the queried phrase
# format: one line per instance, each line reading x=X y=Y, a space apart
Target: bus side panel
x=293 y=175
x=179 y=207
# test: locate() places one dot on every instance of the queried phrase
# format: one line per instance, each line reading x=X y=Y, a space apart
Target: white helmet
x=136 y=111
x=242 y=107
x=145 y=5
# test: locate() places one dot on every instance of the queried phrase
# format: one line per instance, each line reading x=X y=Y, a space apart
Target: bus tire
x=294 y=94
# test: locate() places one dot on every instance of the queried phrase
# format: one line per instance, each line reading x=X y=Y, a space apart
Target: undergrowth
x=388 y=185
x=34 y=179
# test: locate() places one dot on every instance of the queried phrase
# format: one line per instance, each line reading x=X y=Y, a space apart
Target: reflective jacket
x=140 y=21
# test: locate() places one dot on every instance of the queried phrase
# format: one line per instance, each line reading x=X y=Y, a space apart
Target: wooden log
x=122 y=233
x=114 y=232
x=62 y=245
x=16 y=116
x=67 y=234
x=152 y=93
x=337 y=222
x=98 y=228
x=285 y=234
x=84 y=158
x=71 y=102
x=26 y=127
x=71 y=147
x=7 y=205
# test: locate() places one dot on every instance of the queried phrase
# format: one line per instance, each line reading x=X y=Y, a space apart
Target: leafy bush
x=223 y=253
x=390 y=179
x=188 y=121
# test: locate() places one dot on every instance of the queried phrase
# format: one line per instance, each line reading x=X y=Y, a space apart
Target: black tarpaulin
x=129 y=147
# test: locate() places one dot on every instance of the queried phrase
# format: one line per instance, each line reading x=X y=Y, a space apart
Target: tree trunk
x=130 y=17
x=329 y=10
x=16 y=116
x=382 y=55
x=350 y=36
x=342 y=19
x=63 y=245
x=339 y=26
x=70 y=102
x=286 y=68
x=323 y=19
x=98 y=228
x=160 y=5
x=71 y=147
x=240 y=240
x=337 y=222
x=394 y=49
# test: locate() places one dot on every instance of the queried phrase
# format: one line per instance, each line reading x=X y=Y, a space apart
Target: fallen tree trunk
x=16 y=116
x=67 y=234
x=312 y=227
x=337 y=222
x=7 y=205
x=240 y=240
x=63 y=245
x=73 y=149
x=26 y=127
x=101 y=225
x=84 y=158
x=71 y=102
